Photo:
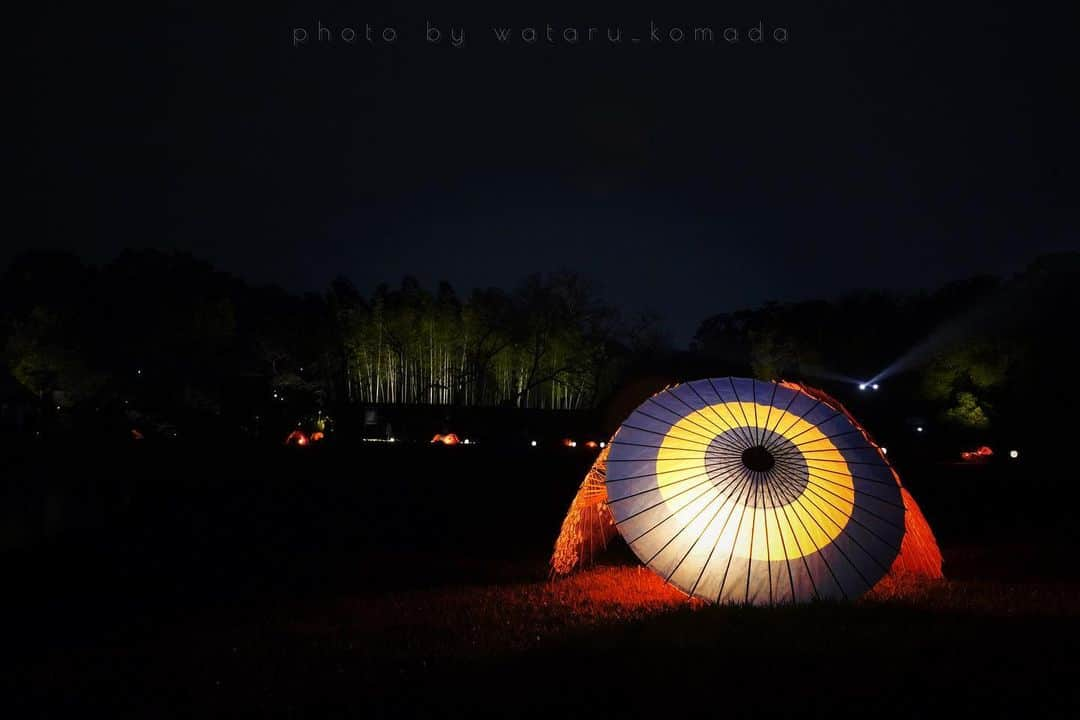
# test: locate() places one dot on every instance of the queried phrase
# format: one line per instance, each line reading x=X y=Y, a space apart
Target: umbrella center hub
x=758 y=458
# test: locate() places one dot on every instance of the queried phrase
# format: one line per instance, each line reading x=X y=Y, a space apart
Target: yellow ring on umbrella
x=800 y=527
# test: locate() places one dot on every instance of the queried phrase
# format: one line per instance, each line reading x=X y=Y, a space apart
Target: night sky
x=876 y=148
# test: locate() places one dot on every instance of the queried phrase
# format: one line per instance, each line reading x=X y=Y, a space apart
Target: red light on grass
x=983 y=452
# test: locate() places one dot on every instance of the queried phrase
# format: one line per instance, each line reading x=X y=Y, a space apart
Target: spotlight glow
x=862 y=386
x=875 y=386
x=532 y=443
x=919 y=429
x=1014 y=454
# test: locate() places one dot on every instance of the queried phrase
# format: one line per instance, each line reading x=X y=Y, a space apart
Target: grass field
x=276 y=594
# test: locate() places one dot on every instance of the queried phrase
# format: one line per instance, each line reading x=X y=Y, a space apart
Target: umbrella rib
x=810 y=426
x=646 y=445
x=783 y=450
x=680 y=416
x=798 y=546
x=817 y=548
x=687 y=418
x=787 y=408
x=753 y=525
x=831 y=543
x=753 y=399
x=792 y=484
x=717 y=469
x=706 y=472
x=655 y=472
x=719 y=494
x=783 y=545
x=734 y=543
x=742 y=484
x=768 y=413
x=712 y=406
x=712 y=438
x=814 y=460
x=850 y=537
x=691 y=408
x=854 y=504
x=887 y=483
x=673 y=512
x=656 y=447
x=826 y=450
x=727 y=407
x=899 y=506
x=711 y=432
x=874 y=463
x=742 y=410
x=699 y=536
x=798 y=418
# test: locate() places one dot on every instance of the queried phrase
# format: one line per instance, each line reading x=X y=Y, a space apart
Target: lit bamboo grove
x=545 y=346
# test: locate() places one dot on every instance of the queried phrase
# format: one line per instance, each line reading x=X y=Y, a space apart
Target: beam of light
x=816 y=371
x=1000 y=308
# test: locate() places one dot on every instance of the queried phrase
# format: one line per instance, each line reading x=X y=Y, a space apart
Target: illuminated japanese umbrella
x=742 y=491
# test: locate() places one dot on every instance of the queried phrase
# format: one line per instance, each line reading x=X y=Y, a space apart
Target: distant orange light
x=982 y=452
x=567 y=442
x=591 y=444
x=317 y=436
x=136 y=435
x=296 y=438
x=447 y=439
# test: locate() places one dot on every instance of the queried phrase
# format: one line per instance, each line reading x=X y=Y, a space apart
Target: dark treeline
x=166 y=335
x=173 y=332
x=983 y=358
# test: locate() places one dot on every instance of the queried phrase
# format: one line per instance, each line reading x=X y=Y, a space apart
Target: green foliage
x=968 y=412
x=545 y=345
x=772 y=355
x=40 y=357
x=962 y=379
